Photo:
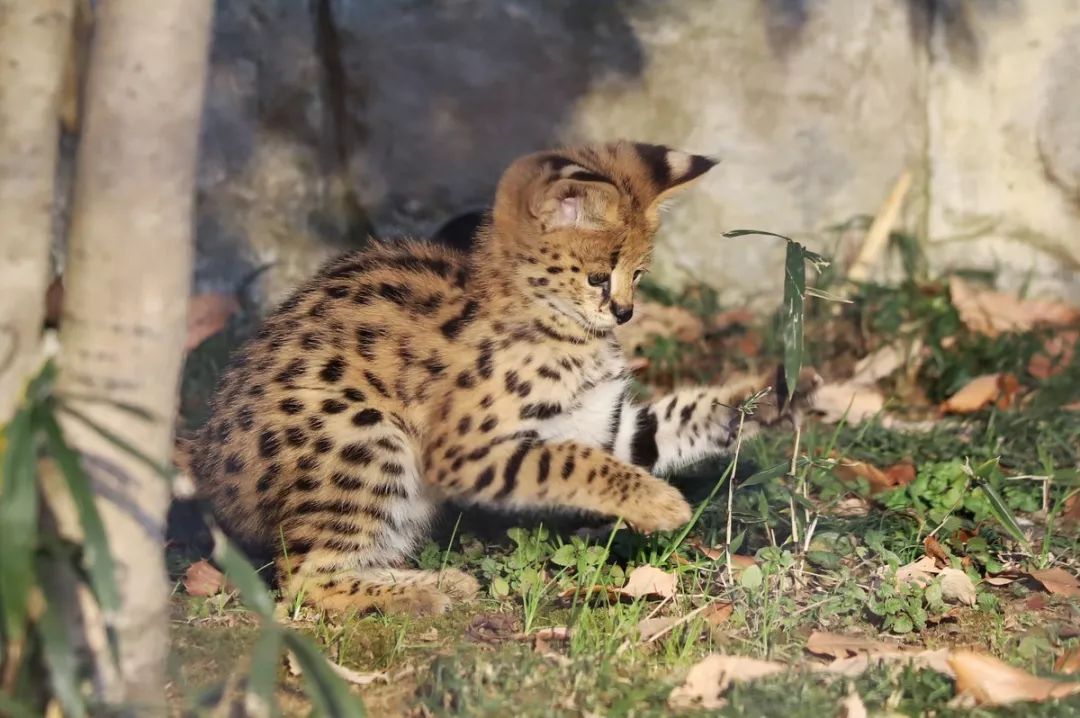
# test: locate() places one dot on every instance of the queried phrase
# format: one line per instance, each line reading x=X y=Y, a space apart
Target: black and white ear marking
x=672 y=168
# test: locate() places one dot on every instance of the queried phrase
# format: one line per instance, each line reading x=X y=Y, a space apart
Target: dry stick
x=791 y=498
x=878 y=234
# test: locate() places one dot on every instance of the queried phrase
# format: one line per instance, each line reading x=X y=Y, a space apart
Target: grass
x=817 y=566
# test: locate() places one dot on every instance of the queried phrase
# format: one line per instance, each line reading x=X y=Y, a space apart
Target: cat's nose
x=622 y=314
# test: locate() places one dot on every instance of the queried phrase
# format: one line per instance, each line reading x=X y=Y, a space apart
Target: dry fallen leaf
x=982 y=391
x=957 y=587
x=1058 y=581
x=852 y=707
x=935 y=550
x=718 y=612
x=202 y=579
x=848 y=400
x=710 y=678
x=920 y=572
x=207 y=315
x=991 y=682
x=652 y=320
x=1055 y=355
x=884 y=361
x=992 y=313
x=1000 y=580
x=835 y=645
x=901 y=474
x=649 y=581
x=853 y=469
x=649 y=627
x=1069 y=662
x=856 y=665
x=976 y=394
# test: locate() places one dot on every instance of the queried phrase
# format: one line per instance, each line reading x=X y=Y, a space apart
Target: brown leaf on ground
x=920 y=572
x=553 y=633
x=856 y=665
x=717 y=613
x=935 y=550
x=835 y=645
x=1071 y=511
x=853 y=469
x=1058 y=581
x=848 y=400
x=885 y=360
x=711 y=552
x=901 y=474
x=202 y=579
x=649 y=581
x=649 y=627
x=1069 y=662
x=852 y=707
x=1000 y=580
x=710 y=678
x=610 y=593
x=992 y=682
x=652 y=320
x=957 y=587
x=493 y=627
x=993 y=313
x=207 y=315
x=1056 y=354
x=732 y=317
x=982 y=391
x=739 y=562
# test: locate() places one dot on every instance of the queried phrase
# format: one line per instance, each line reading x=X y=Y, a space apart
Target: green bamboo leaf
x=1003 y=514
x=792 y=318
x=327 y=690
x=96 y=553
x=748 y=232
x=243 y=575
x=18 y=521
x=118 y=441
x=761 y=477
x=60 y=656
x=259 y=699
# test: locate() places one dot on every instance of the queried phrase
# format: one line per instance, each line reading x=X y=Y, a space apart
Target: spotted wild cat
x=407 y=373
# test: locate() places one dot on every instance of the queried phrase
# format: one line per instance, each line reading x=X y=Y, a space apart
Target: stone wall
x=330 y=118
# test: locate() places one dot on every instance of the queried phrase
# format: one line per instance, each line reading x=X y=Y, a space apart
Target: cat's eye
x=597 y=280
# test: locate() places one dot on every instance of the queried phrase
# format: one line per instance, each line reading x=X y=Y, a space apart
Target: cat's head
x=577 y=225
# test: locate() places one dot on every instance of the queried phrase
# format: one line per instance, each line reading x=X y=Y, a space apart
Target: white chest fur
x=589 y=419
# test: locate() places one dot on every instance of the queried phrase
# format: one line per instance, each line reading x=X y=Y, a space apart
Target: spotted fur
x=407 y=373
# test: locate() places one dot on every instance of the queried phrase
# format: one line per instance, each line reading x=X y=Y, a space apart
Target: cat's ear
x=572 y=197
x=672 y=170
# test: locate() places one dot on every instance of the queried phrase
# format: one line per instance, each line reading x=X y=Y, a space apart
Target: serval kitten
x=408 y=373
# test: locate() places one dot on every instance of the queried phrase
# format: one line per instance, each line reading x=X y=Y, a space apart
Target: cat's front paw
x=659 y=506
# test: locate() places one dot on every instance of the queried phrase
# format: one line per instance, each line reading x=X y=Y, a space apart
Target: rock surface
x=329 y=118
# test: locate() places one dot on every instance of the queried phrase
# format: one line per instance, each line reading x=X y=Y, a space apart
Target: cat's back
x=359 y=342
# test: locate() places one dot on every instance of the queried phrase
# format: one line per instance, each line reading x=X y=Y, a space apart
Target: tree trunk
x=34 y=39
x=127 y=281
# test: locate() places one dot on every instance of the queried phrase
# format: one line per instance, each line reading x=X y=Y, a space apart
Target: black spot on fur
x=453 y=327
x=358 y=454
x=269 y=444
x=333 y=370
x=367 y=417
x=333 y=406
x=291 y=406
